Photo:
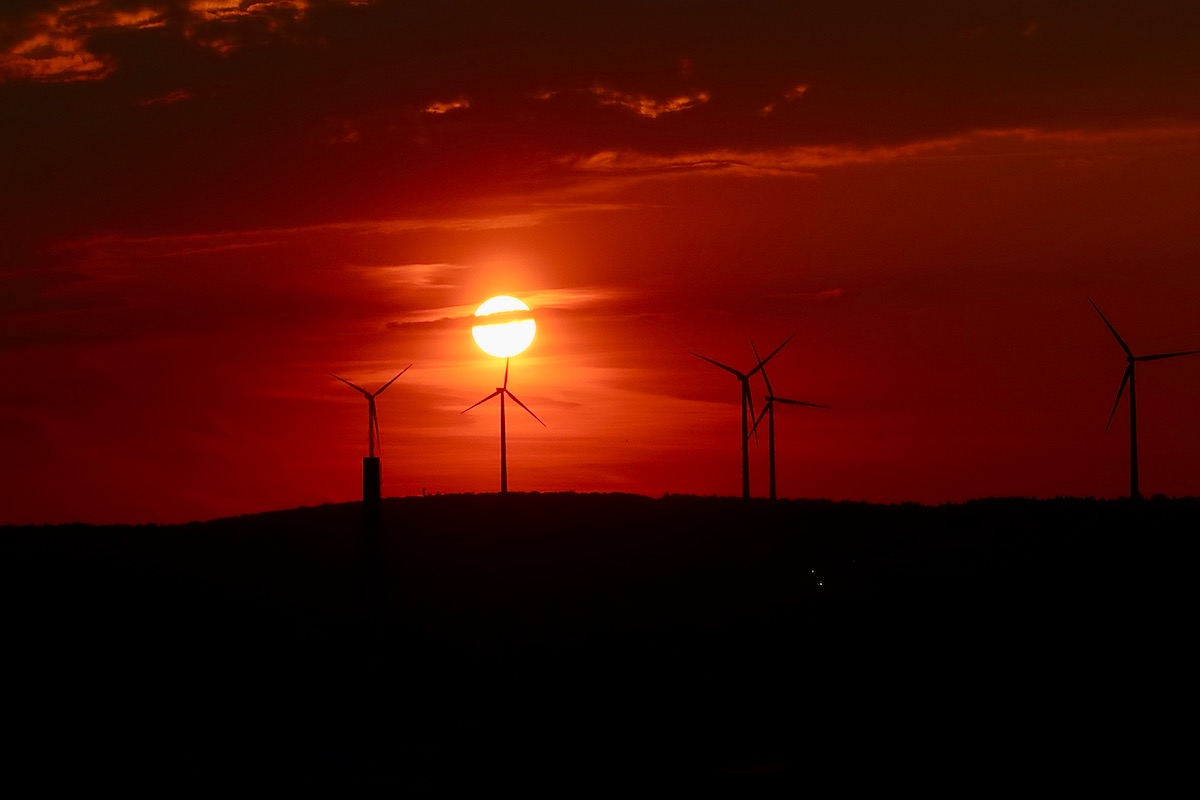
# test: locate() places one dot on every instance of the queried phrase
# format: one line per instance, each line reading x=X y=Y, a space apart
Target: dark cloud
x=284 y=102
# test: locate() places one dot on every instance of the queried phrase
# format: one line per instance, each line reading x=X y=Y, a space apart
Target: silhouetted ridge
x=536 y=636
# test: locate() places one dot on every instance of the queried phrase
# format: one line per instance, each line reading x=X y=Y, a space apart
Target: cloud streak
x=806 y=161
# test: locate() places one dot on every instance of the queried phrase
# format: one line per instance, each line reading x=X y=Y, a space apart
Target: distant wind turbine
x=769 y=412
x=503 y=391
x=1129 y=378
x=371 y=471
x=747 y=403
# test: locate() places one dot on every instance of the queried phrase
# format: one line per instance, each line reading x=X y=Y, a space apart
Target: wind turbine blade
x=759 y=418
x=748 y=399
x=718 y=363
x=506 y=373
x=1120 y=341
x=481 y=402
x=762 y=363
x=352 y=386
x=758 y=358
x=393 y=380
x=1121 y=391
x=522 y=405
x=1157 y=356
x=798 y=402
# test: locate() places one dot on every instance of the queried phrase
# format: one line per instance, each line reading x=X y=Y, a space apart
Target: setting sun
x=504 y=339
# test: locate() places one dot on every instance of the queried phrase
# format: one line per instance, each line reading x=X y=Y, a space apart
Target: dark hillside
x=486 y=639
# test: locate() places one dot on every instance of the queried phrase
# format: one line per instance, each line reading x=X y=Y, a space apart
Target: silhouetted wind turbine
x=747 y=407
x=1129 y=378
x=769 y=412
x=502 y=391
x=371 y=471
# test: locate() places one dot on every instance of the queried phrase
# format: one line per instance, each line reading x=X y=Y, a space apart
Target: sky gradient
x=208 y=207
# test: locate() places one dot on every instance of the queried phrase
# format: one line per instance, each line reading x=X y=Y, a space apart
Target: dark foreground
x=578 y=641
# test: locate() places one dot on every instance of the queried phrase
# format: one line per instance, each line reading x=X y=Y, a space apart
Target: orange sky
x=210 y=206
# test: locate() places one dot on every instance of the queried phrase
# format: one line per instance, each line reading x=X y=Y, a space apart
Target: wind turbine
x=747 y=407
x=1128 y=378
x=371 y=471
x=769 y=412
x=503 y=391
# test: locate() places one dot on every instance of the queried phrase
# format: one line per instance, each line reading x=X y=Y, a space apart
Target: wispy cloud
x=441 y=107
x=569 y=300
x=795 y=93
x=233 y=9
x=57 y=44
x=190 y=243
x=215 y=23
x=649 y=106
x=54 y=43
x=804 y=161
x=167 y=98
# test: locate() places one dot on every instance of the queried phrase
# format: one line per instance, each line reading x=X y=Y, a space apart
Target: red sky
x=207 y=207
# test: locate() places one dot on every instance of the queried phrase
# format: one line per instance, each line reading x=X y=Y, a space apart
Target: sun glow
x=504 y=339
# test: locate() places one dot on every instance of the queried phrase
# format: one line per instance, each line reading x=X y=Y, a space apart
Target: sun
x=504 y=339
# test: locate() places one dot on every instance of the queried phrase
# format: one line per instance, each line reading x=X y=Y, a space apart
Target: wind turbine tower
x=769 y=412
x=1129 y=378
x=372 y=475
x=747 y=407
